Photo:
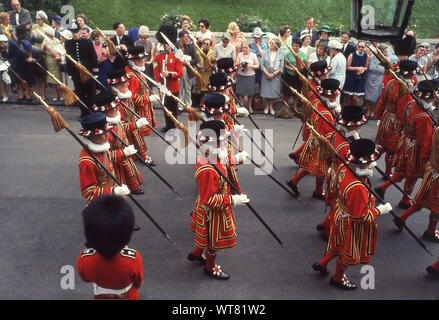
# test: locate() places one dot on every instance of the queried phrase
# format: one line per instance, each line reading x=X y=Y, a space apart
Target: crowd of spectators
x=265 y=64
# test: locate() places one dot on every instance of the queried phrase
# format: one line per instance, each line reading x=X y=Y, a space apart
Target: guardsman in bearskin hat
x=311 y=161
x=115 y=270
x=118 y=79
x=167 y=70
x=140 y=93
x=353 y=235
x=349 y=123
x=414 y=147
x=392 y=102
x=93 y=179
x=82 y=51
x=320 y=71
x=126 y=171
x=213 y=220
x=428 y=194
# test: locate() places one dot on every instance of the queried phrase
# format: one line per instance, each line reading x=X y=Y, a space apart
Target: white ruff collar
x=136 y=68
x=114 y=120
x=96 y=148
x=121 y=95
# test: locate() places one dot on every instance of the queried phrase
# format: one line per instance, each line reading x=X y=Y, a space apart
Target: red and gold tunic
x=227 y=117
x=140 y=97
x=168 y=62
x=354 y=232
x=127 y=170
x=310 y=158
x=94 y=181
x=213 y=220
x=111 y=276
x=135 y=138
x=312 y=97
x=415 y=148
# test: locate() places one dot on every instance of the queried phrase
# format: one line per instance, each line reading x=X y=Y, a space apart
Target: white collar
x=121 y=95
x=114 y=120
x=97 y=148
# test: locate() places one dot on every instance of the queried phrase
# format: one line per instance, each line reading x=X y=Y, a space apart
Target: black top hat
x=362 y=151
x=214 y=103
x=352 y=116
x=407 y=67
x=212 y=130
x=169 y=31
x=226 y=65
x=405 y=46
x=329 y=87
x=117 y=76
x=319 y=68
x=219 y=81
x=94 y=124
x=104 y=101
x=74 y=27
x=425 y=89
x=136 y=52
x=108 y=224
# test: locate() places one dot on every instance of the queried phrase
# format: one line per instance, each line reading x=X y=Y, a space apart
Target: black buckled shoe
x=405 y=205
x=164 y=129
x=149 y=162
x=320 y=228
x=399 y=223
x=317 y=267
x=431 y=237
x=138 y=191
x=294 y=158
x=345 y=284
x=136 y=227
x=293 y=187
x=201 y=259
x=318 y=196
x=380 y=192
x=217 y=273
x=433 y=272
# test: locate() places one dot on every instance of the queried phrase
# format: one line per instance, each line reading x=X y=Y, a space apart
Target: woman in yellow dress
x=38 y=28
x=52 y=51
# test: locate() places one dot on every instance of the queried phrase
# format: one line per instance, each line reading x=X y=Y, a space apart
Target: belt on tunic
x=344 y=214
x=97 y=290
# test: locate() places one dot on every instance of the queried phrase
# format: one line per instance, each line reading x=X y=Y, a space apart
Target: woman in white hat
x=51 y=48
x=38 y=28
x=150 y=49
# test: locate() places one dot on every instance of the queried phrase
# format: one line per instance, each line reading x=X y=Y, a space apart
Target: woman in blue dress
x=357 y=65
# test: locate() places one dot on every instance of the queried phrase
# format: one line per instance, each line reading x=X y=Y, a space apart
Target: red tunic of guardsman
x=320 y=71
x=94 y=181
x=353 y=235
x=140 y=93
x=118 y=79
x=350 y=122
x=213 y=220
x=168 y=69
x=115 y=270
x=415 y=147
x=311 y=160
x=126 y=171
x=392 y=101
x=428 y=193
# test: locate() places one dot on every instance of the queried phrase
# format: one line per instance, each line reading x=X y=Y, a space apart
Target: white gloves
x=241 y=111
x=141 y=122
x=378 y=122
x=239 y=199
x=239 y=128
x=241 y=156
x=129 y=151
x=122 y=190
x=384 y=208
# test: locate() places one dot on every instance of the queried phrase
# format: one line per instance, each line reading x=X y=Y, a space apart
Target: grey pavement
x=41 y=204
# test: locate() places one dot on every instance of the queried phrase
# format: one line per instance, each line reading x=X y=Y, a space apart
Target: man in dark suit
x=82 y=51
x=122 y=42
x=348 y=47
x=21 y=21
x=310 y=29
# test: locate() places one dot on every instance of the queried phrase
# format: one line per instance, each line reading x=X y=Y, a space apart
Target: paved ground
x=41 y=206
